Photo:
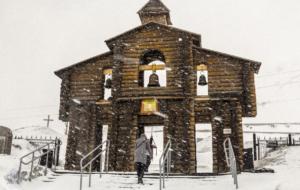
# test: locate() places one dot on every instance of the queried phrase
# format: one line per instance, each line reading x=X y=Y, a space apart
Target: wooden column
x=116 y=88
x=65 y=98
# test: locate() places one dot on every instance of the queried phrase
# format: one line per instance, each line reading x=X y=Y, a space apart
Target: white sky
x=38 y=37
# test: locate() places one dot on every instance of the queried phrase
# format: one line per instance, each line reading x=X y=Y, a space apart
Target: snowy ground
x=285 y=161
x=9 y=164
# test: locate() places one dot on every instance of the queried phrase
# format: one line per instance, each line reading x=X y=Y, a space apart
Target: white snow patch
x=217 y=118
x=76 y=101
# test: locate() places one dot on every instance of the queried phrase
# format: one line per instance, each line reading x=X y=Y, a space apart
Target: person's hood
x=143 y=136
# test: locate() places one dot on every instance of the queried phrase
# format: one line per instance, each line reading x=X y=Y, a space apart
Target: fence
x=296 y=142
x=261 y=146
x=42 y=141
x=37 y=155
x=36 y=139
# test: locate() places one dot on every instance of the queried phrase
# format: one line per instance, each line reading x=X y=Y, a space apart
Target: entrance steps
x=147 y=175
x=50 y=178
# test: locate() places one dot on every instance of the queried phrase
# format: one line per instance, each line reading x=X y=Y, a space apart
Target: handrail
x=90 y=162
x=34 y=158
x=165 y=157
x=231 y=160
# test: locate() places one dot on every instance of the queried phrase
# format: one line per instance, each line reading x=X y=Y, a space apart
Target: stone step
x=171 y=177
x=147 y=174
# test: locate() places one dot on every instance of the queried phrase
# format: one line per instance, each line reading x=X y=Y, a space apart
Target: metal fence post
x=258 y=147
x=169 y=163
x=107 y=155
x=290 y=140
x=47 y=160
x=159 y=176
x=31 y=168
x=81 y=175
x=101 y=166
x=90 y=175
x=164 y=173
x=55 y=154
x=19 y=172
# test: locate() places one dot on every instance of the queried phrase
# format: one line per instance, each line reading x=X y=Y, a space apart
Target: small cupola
x=155 y=11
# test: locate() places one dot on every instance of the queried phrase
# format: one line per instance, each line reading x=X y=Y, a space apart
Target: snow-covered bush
x=12 y=176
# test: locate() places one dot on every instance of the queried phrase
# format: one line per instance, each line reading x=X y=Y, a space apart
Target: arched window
x=152 y=63
x=202 y=80
x=107 y=82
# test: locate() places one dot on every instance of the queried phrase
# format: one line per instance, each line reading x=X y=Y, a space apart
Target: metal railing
x=98 y=151
x=230 y=160
x=33 y=157
x=165 y=164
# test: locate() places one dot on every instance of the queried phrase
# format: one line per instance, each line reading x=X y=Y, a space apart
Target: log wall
x=231 y=97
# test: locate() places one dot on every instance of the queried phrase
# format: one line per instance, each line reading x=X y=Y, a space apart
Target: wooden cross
x=48 y=121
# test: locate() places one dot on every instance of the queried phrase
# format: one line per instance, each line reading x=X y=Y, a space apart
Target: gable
x=229 y=73
x=113 y=41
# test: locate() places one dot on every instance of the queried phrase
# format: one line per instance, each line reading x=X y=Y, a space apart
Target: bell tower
x=155 y=11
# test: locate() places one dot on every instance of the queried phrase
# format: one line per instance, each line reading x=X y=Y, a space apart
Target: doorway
x=104 y=138
x=157 y=132
x=204 y=148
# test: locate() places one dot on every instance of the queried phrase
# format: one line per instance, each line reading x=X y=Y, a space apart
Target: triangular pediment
x=112 y=41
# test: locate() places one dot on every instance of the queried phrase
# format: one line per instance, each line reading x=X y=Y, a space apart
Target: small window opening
x=153 y=71
x=107 y=73
x=202 y=80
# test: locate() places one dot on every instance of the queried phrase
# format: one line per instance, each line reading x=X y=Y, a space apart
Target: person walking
x=142 y=147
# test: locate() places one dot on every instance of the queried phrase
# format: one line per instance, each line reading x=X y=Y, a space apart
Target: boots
x=140 y=181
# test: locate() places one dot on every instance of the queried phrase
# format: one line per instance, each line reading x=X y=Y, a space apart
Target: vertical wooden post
x=258 y=150
x=290 y=140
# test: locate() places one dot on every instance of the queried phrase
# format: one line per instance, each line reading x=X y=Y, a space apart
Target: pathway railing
x=37 y=155
x=230 y=160
x=165 y=164
x=91 y=157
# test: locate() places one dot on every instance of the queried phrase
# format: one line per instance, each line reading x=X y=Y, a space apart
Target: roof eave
x=256 y=64
x=62 y=71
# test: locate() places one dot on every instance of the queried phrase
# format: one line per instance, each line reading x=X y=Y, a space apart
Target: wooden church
x=157 y=75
